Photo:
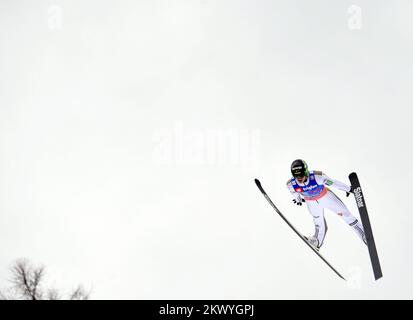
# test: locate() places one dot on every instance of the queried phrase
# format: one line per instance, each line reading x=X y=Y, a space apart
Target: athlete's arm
x=322 y=178
x=296 y=195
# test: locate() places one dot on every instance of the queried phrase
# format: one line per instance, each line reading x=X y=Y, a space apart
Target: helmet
x=299 y=168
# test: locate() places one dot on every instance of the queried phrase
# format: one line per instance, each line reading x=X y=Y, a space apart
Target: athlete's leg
x=333 y=203
x=320 y=224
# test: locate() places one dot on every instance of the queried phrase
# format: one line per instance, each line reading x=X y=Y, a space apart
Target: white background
x=85 y=86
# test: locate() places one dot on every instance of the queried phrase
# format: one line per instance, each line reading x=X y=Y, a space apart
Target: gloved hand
x=350 y=191
x=298 y=202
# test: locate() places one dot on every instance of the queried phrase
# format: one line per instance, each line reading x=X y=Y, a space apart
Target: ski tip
x=258 y=183
x=352 y=175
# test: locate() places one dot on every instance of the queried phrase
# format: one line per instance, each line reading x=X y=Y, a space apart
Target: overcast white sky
x=131 y=132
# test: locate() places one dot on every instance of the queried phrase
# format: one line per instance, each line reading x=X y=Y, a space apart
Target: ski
x=258 y=183
x=361 y=204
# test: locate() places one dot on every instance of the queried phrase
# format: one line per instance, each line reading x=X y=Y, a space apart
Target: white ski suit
x=318 y=197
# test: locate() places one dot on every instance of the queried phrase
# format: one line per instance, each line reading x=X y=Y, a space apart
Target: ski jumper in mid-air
x=311 y=187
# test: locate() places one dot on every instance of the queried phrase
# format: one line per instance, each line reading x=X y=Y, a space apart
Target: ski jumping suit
x=318 y=197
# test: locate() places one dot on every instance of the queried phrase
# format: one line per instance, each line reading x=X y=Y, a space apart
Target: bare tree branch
x=3 y=296
x=28 y=284
x=53 y=294
x=79 y=294
x=26 y=279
